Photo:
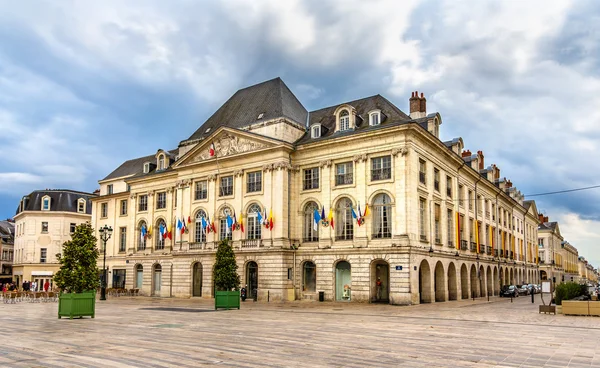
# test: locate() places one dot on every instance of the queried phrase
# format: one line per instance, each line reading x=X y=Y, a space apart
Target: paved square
x=148 y=332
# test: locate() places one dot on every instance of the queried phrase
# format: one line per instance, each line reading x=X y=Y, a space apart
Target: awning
x=42 y=273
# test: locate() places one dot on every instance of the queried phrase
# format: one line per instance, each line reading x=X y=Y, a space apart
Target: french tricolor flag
x=211 y=149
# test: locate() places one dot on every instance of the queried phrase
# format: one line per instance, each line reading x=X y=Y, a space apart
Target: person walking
x=34 y=286
x=378 y=285
x=46 y=286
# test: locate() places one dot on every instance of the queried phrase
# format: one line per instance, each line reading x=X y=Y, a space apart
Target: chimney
x=466 y=153
x=480 y=159
x=415 y=105
x=546 y=219
x=496 y=172
x=423 y=105
x=541 y=217
x=509 y=184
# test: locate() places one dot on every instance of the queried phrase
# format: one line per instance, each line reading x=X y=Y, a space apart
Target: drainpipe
x=289 y=216
x=171 y=282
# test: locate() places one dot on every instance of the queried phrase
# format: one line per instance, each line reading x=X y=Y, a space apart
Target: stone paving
x=151 y=332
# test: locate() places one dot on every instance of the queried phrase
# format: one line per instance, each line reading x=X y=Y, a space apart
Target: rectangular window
x=381 y=168
x=344 y=174
x=436 y=180
x=201 y=190
x=311 y=178
x=46 y=205
x=104 y=210
x=448 y=187
x=123 y=207
x=470 y=200
x=226 y=186
x=81 y=207
x=437 y=225
x=143 y=203
x=254 y=182
x=72 y=227
x=43 y=253
x=109 y=189
x=422 y=227
x=374 y=119
x=460 y=195
x=161 y=200
x=422 y=172
x=122 y=239
x=223 y=233
x=450 y=228
x=478 y=204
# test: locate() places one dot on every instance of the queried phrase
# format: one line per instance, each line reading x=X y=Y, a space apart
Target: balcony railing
x=488 y=250
x=423 y=237
x=195 y=246
x=473 y=247
x=481 y=248
x=450 y=244
x=464 y=245
x=252 y=243
x=344 y=179
x=343 y=237
x=310 y=239
x=495 y=252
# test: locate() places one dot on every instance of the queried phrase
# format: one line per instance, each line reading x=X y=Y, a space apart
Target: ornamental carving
x=360 y=158
x=133 y=196
x=212 y=177
x=325 y=163
x=229 y=144
x=238 y=173
x=267 y=167
x=402 y=151
x=296 y=168
x=282 y=165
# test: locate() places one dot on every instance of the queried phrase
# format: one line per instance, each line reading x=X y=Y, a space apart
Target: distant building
x=45 y=219
x=442 y=225
x=7 y=241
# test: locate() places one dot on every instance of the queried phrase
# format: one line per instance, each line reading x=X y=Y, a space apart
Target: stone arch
x=340 y=197
x=380 y=280
x=156 y=282
x=139 y=276
x=474 y=282
x=452 y=282
x=196 y=269
x=381 y=191
x=425 y=283
x=490 y=281
x=251 y=203
x=343 y=280
x=482 y=284
x=307 y=201
x=464 y=281
x=496 y=281
x=512 y=277
x=309 y=276
x=439 y=282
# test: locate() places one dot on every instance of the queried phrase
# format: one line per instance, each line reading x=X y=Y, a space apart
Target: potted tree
x=77 y=277
x=227 y=280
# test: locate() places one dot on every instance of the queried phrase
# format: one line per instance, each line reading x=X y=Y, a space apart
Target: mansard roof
x=61 y=200
x=7 y=232
x=261 y=102
x=325 y=117
x=135 y=166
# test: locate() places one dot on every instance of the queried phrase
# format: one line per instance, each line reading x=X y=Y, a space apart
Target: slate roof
x=390 y=115
x=63 y=200
x=7 y=232
x=135 y=167
x=273 y=99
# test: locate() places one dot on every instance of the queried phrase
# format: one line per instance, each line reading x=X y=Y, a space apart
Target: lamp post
x=105 y=234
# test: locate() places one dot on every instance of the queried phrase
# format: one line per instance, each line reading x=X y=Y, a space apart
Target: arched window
x=142 y=235
x=344 y=224
x=161 y=162
x=199 y=232
x=253 y=227
x=309 y=234
x=224 y=232
x=344 y=120
x=382 y=212
x=160 y=240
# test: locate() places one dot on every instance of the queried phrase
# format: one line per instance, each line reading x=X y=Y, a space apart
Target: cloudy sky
x=86 y=85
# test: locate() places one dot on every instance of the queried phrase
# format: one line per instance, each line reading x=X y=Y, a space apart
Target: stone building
x=440 y=225
x=44 y=220
x=7 y=240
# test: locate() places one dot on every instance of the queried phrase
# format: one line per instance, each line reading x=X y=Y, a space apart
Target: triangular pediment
x=227 y=142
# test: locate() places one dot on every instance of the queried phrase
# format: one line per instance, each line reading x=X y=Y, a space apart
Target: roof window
x=315 y=131
x=260 y=116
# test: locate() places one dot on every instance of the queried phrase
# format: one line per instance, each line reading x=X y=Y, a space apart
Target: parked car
x=533 y=288
x=509 y=291
x=523 y=290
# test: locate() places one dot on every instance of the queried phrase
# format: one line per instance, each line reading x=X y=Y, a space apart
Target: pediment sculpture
x=229 y=144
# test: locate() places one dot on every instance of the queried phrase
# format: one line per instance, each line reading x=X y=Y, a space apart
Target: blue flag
x=229 y=222
x=323 y=213
x=259 y=217
x=354 y=214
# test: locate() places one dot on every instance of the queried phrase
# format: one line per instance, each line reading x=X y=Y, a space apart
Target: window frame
x=222 y=191
x=345 y=175
x=104 y=210
x=254 y=185
x=81 y=205
x=143 y=203
x=44 y=227
x=309 y=234
x=43 y=255
x=372 y=116
x=123 y=207
x=384 y=231
x=381 y=172
x=109 y=189
x=202 y=194
x=344 y=230
x=313 y=178
x=46 y=203
x=422 y=171
x=422 y=219
x=72 y=227
x=315 y=131
x=253 y=227
x=161 y=200
x=344 y=120
x=122 y=239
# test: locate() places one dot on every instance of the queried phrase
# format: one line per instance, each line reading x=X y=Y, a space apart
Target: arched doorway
x=464 y=281
x=309 y=278
x=482 y=283
x=380 y=281
x=543 y=275
x=252 y=279
x=506 y=276
x=156 y=280
x=343 y=281
x=197 y=279
x=139 y=276
x=424 y=283
x=511 y=279
x=439 y=283
x=474 y=282
x=452 y=286
x=490 y=282
x=496 y=281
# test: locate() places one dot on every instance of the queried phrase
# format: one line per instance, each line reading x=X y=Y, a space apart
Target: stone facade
x=418 y=244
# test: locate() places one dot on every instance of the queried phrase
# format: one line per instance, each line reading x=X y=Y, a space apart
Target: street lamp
x=105 y=234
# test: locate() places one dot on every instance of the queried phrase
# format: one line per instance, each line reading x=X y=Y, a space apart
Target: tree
x=226 y=276
x=78 y=271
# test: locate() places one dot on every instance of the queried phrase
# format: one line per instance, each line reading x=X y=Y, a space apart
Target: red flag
x=212 y=226
x=189 y=220
x=211 y=150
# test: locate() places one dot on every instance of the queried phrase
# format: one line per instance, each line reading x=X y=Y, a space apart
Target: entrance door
x=382 y=283
x=157 y=280
x=197 y=280
x=252 y=279
x=118 y=279
x=139 y=276
x=343 y=281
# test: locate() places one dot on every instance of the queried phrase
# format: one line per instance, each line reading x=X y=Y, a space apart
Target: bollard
x=488 y=296
x=473 y=295
x=532 y=296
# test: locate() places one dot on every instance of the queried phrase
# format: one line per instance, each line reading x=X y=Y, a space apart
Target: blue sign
x=398 y=268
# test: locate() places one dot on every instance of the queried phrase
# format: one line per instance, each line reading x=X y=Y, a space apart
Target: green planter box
x=77 y=305
x=227 y=299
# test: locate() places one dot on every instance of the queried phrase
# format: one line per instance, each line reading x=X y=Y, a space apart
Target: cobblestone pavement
x=149 y=332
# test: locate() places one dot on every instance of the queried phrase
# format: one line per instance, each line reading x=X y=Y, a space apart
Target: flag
x=242 y=222
x=316 y=219
x=182 y=226
x=149 y=231
x=211 y=150
x=235 y=223
x=271 y=219
x=330 y=217
x=179 y=225
x=208 y=230
x=367 y=212
x=354 y=216
x=259 y=217
x=204 y=225
x=323 y=213
x=189 y=220
x=143 y=233
x=169 y=233
x=229 y=223
x=477 y=236
x=360 y=219
x=161 y=230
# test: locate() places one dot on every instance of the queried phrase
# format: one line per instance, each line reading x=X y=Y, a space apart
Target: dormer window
x=374 y=118
x=315 y=131
x=260 y=116
x=161 y=162
x=81 y=205
x=344 y=120
x=46 y=203
x=146 y=168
